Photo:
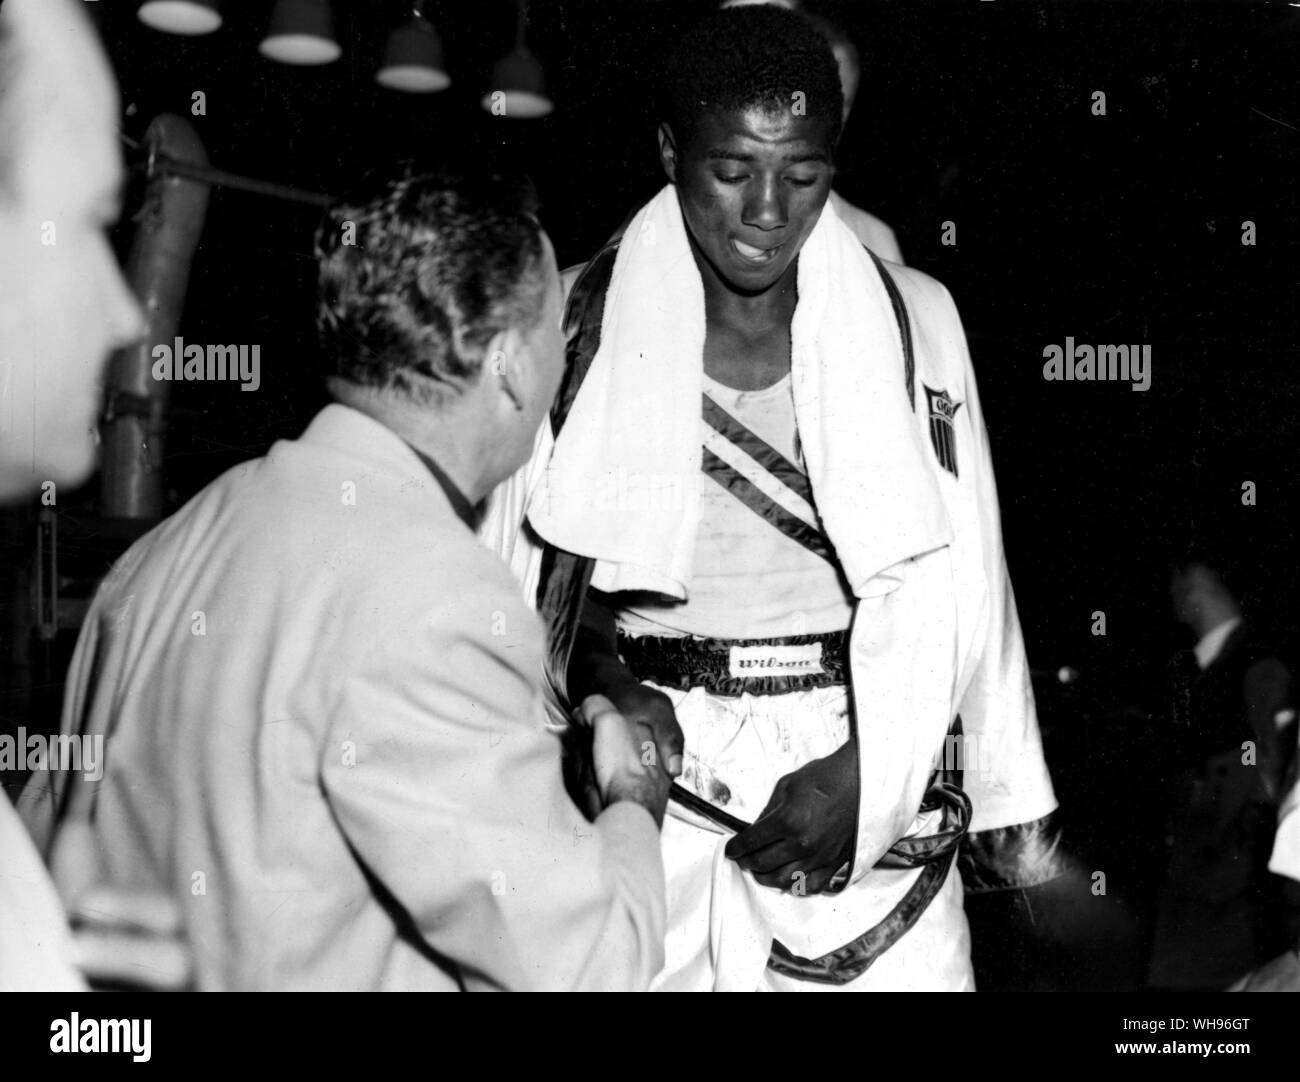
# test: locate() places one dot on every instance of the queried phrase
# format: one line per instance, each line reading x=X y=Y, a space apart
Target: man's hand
x=626 y=767
x=652 y=717
x=596 y=669
x=649 y=716
x=805 y=834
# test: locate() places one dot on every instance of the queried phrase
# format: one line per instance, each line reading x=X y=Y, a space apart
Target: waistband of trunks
x=734 y=667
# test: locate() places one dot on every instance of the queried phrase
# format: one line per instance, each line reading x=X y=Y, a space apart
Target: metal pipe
x=165 y=164
x=158 y=269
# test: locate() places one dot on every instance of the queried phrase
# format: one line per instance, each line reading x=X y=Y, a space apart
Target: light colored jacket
x=325 y=735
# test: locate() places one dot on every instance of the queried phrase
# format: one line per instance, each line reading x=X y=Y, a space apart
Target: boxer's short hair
x=752 y=56
x=415 y=279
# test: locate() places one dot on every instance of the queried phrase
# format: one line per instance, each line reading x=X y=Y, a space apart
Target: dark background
x=1124 y=228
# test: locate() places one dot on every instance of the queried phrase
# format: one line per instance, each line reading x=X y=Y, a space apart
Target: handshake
x=628 y=747
x=626 y=744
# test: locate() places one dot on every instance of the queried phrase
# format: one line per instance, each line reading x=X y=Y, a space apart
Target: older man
x=321 y=694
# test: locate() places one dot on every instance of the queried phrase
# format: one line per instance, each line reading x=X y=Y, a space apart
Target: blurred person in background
x=1230 y=899
x=64 y=308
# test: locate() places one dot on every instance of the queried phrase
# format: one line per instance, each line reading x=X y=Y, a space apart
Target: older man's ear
x=503 y=370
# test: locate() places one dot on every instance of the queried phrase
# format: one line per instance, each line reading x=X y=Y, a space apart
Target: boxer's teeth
x=754 y=255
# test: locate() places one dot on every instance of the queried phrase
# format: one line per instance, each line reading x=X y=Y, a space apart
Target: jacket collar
x=360 y=435
x=465 y=511
x=1214 y=643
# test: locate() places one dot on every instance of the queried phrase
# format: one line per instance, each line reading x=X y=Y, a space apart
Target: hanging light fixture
x=301 y=32
x=413 y=56
x=181 y=16
x=518 y=84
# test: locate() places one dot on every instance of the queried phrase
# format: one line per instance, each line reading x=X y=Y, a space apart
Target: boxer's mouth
x=750 y=254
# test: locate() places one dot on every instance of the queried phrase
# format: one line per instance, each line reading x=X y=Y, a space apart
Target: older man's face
x=751 y=185
x=543 y=355
x=64 y=306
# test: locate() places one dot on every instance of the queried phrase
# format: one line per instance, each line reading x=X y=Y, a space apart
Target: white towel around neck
x=635 y=427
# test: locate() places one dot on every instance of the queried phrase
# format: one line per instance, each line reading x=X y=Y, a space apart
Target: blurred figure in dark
x=1221 y=912
x=64 y=308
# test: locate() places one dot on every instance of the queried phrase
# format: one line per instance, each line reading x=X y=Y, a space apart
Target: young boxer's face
x=751 y=185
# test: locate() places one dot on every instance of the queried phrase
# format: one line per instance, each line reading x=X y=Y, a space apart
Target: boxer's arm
x=594 y=665
x=595 y=668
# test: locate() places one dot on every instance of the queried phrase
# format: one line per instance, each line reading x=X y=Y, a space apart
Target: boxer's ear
x=668 y=151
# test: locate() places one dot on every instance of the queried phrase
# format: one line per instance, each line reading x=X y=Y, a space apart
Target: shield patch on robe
x=942 y=411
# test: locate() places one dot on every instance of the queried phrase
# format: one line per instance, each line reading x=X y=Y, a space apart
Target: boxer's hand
x=625 y=767
x=651 y=714
x=805 y=834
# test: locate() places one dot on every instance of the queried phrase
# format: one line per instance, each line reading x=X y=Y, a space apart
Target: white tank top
x=750 y=581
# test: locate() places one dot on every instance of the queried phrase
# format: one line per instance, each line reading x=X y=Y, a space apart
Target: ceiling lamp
x=181 y=16
x=518 y=84
x=413 y=57
x=301 y=32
